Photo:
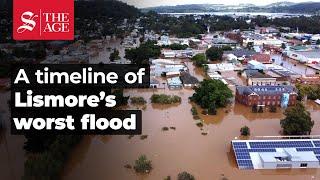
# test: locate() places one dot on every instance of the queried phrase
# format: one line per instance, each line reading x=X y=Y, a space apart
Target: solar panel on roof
x=315 y=150
x=245 y=164
x=242 y=150
x=316 y=143
x=280 y=144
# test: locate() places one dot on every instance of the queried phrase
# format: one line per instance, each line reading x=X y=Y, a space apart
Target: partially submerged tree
x=214 y=53
x=142 y=165
x=245 y=131
x=297 y=121
x=212 y=93
x=199 y=60
x=185 y=176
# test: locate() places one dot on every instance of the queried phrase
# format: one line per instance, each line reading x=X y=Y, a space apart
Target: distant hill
x=105 y=8
x=280 y=7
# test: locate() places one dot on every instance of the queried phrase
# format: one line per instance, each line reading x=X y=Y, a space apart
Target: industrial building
x=277 y=154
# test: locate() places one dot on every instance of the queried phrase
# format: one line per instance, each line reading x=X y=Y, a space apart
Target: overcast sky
x=151 y=3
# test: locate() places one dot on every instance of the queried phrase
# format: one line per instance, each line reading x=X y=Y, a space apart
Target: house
x=241 y=54
x=260 y=40
x=266 y=95
x=164 y=40
x=169 y=54
x=163 y=61
x=262 y=58
x=253 y=64
x=315 y=39
x=282 y=77
x=174 y=83
x=160 y=69
x=266 y=30
x=236 y=36
x=215 y=75
x=259 y=78
x=220 y=67
x=188 y=80
x=222 y=42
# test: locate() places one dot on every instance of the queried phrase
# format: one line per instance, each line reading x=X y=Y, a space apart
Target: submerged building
x=277 y=154
x=266 y=95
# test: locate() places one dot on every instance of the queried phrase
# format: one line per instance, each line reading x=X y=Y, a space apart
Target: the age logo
x=43 y=20
x=28 y=22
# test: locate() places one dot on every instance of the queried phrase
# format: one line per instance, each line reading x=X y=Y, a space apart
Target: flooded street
x=183 y=149
x=293 y=65
x=11 y=146
x=207 y=157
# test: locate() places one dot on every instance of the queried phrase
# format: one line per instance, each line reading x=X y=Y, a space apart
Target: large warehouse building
x=277 y=154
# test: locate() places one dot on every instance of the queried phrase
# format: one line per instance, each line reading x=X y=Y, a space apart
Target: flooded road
x=207 y=157
x=184 y=149
x=293 y=65
x=11 y=146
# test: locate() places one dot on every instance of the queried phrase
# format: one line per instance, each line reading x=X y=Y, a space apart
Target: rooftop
x=263 y=58
x=265 y=90
x=175 y=81
x=250 y=154
x=253 y=73
x=241 y=52
x=186 y=78
x=310 y=54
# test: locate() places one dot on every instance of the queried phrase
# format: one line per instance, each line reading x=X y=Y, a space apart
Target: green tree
x=311 y=91
x=185 y=176
x=165 y=99
x=245 y=131
x=199 y=60
x=214 y=53
x=297 y=121
x=176 y=46
x=212 y=93
x=318 y=42
x=142 y=54
x=138 y=100
x=142 y=165
x=114 y=55
x=212 y=110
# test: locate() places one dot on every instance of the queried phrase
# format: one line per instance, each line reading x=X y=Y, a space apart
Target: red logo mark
x=43 y=20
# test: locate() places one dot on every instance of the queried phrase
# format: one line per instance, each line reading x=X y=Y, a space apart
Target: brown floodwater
x=207 y=157
x=11 y=146
x=184 y=149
